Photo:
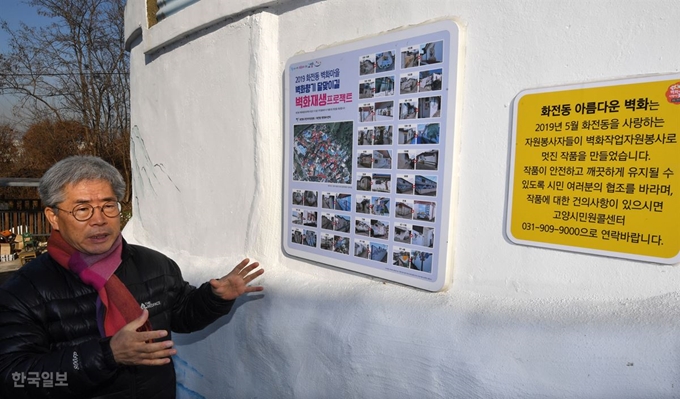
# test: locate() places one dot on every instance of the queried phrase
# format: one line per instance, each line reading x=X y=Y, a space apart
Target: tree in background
x=72 y=82
x=8 y=150
x=48 y=141
x=44 y=143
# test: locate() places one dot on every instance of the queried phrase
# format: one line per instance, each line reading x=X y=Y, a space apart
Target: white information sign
x=369 y=154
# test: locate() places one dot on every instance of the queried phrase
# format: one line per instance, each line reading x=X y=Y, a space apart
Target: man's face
x=96 y=235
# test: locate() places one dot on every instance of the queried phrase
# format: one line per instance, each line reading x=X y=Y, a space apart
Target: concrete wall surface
x=516 y=322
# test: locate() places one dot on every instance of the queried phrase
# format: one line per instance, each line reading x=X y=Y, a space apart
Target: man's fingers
x=147 y=336
x=243 y=264
x=138 y=322
x=151 y=353
x=253 y=276
x=152 y=358
x=154 y=362
x=146 y=352
x=242 y=269
x=250 y=268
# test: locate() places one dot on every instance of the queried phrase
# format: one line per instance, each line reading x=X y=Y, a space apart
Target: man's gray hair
x=75 y=169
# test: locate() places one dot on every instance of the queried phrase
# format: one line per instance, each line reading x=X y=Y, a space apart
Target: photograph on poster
x=384 y=110
x=365 y=159
x=327 y=241
x=380 y=206
x=405 y=184
x=408 y=83
x=341 y=245
x=378 y=252
x=361 y=248
x=310 y=238
x=296 y=236
x=366 y=88
x=384 y=86
x=409 y=56
x=381 y=182
x=401 y=257
x=424 y=210
x=328 y=200
x=327 y=221
x=380 y=229
x=366 y=112
x=322 y=152
x=431 y=53
x=405 y=161
x=402 y=233
x=428 y=133
x=407 y=134
x=296 y=216
x=367 y=64
x=430 y=80
x=382 y=159
x=421 y=261
x=343 y=202
x=404 y=209
x=423 y=236
x=309 y=218
x=365 y=135
x=429 y=107
x=427 y=160
x=408 y=109
x=343 y=223
x=363 y=182
x=298 y=196
x=362 y=226
x=363 y=204
x=383 y=135
x=426 y=185
x=384 y=61
x=311 y=198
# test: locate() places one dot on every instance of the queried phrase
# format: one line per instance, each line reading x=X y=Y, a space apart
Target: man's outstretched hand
x=236 y=282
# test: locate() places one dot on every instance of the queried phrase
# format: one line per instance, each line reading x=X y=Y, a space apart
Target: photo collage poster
x=369 y=128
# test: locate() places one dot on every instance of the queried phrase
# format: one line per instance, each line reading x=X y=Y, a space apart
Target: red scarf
x=116 y=306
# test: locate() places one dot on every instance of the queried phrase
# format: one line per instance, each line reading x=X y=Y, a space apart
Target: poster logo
x=312 y=64
x=673 y=94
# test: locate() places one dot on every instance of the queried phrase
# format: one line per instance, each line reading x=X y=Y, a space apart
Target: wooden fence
x=22 y=216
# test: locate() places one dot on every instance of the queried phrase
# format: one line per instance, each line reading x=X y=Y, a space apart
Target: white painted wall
x=516 y=322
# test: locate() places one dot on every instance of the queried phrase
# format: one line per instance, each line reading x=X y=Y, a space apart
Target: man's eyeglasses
x=84 y=212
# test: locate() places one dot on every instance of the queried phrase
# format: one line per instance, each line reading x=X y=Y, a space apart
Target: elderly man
x=92 y=317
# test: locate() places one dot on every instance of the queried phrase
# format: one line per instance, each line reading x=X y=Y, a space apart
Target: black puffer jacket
x=48 y=327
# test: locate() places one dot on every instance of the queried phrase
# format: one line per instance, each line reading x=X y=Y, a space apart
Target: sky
x=14 y=12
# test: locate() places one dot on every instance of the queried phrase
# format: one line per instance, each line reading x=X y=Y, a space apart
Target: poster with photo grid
x=369 y=154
